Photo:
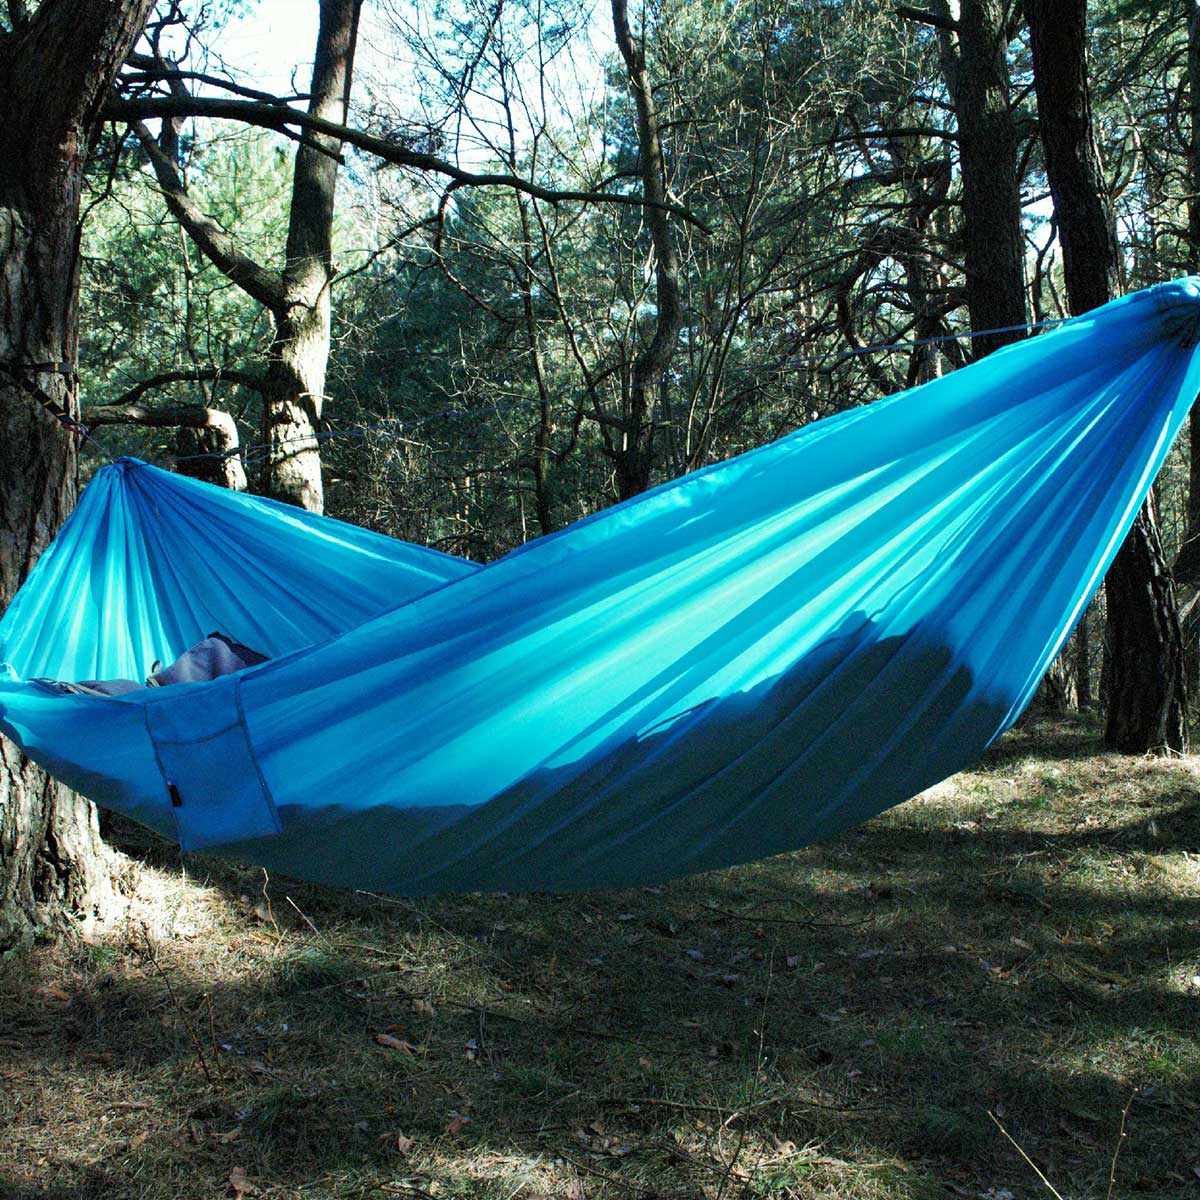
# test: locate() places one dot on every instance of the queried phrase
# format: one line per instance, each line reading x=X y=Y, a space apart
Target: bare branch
x=923 y=16
x=217 y=374
x=279 y=117
x=390 y=244
x=151 y=69
x=194 y=416
x=903 y=131
x=218 y=246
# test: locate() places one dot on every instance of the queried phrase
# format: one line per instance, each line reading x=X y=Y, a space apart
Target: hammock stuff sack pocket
x=209 y=770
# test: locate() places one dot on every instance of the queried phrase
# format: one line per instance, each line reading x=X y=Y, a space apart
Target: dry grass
x=1023 y=940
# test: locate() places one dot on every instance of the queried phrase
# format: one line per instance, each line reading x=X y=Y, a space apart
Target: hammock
x=755 y=656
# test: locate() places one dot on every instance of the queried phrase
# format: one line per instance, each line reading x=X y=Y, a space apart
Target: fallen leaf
x=404 y=1145
x=424 y=1007
x=395 y=1043
x=239 y=1183
x=456 y=1124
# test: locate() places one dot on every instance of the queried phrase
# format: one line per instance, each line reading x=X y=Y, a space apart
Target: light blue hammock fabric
x=752 y=657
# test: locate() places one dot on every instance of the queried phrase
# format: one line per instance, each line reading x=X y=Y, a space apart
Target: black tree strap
x=20 y=373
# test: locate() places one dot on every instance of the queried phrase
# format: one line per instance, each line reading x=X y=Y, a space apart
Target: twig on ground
x=212 y=1032
x=758 y=1068
x=267 y=901
x=304 y=917
x=607 y=1176
x=152 y=958
x=1112 y=1170
x=1037 y=1170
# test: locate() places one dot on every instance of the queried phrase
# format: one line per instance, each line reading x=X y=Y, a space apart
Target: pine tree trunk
x=1083 y=661
x=1186 y=567
x=1147 y=692
x=52 y=862
x=294 y=386
x=991 y=199
x=634 y=461
x=54 y=71
x=1146 y=702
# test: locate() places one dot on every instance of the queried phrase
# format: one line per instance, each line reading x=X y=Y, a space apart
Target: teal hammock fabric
x=752 y=657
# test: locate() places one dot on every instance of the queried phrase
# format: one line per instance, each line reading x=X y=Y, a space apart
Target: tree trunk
x=206 y=439
x=991 y=191
x=634 y=460
x=1083 y=661
x=1147 y=694
x=52 y=863
x=55 y=69
x=1187 y=565
x=1187 y=562
x=209 y=452
x=294 y=387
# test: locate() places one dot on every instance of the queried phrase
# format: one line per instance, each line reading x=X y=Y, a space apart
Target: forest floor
x=1018 y=947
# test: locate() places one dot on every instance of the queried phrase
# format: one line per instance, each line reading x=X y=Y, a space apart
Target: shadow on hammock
x=859 y=724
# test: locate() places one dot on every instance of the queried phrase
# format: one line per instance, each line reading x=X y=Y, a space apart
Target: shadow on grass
x=838 y=1022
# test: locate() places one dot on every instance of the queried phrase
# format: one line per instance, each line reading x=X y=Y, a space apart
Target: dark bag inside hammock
x=217 y=655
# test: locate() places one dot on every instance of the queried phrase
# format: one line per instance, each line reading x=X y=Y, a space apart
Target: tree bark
x=208 y=451
x=1186 y=567
x=1187 y=564
x=1146 y=705
x=1147 y=692
x=54 y=73
x=206 y=439
x=634 y=460
x=294 y=387
x=991 y=192
x=298 y=296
